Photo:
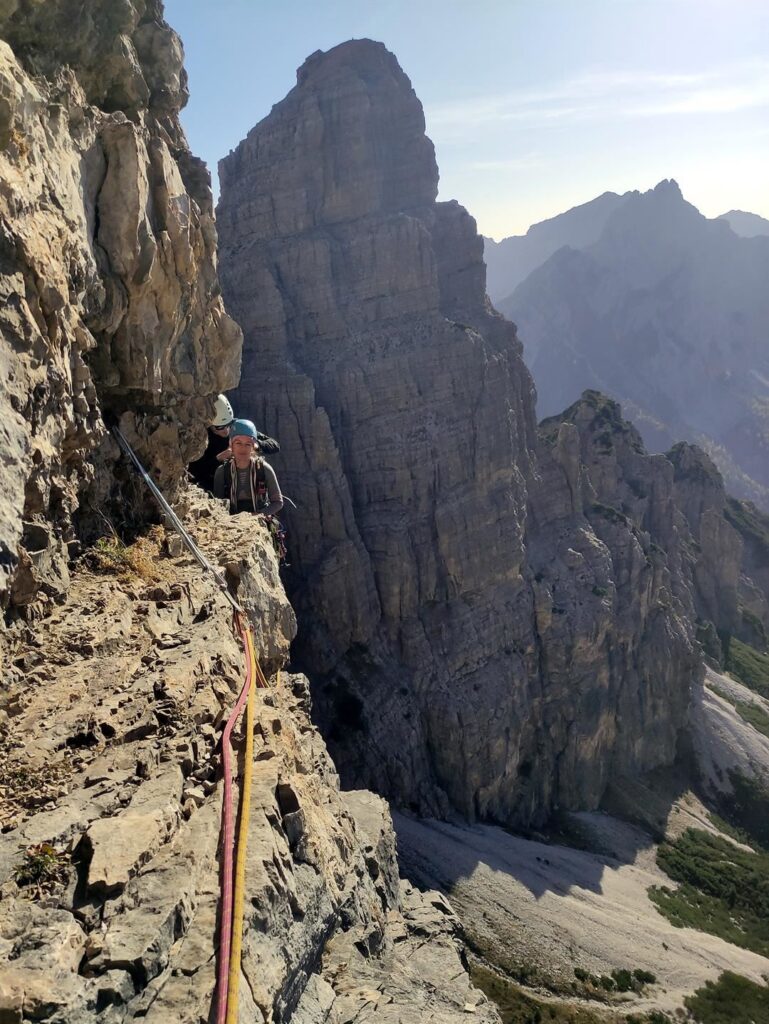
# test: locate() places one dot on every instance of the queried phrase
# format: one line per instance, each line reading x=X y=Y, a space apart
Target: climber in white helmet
x=218 y=449
x=202 y=470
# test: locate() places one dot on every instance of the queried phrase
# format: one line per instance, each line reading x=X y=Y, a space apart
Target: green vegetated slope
x=730 y=1000
x=517 y=1006
x=753 y=714
x=724 y=890
x=750 y=666
x=524 y=994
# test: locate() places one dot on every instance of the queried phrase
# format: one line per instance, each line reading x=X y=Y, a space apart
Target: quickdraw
x=278 y=535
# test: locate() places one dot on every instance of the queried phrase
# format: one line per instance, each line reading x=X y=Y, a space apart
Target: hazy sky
x=534 y=106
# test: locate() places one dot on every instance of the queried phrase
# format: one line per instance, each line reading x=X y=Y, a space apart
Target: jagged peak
x=592 y=400
x=356 y=90
x=668 y=187
x=690 y=461
x=595 y=411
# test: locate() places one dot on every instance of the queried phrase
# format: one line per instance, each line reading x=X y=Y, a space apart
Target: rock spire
x=485 y=627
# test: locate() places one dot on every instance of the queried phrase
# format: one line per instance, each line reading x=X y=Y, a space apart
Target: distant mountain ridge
x=746 y=224
x=512 y=260
x=667 y=311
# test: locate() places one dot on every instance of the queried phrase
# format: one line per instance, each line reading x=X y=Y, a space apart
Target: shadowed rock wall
x=478 y=635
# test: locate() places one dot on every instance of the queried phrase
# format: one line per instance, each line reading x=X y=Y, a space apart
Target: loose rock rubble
x=117 y=700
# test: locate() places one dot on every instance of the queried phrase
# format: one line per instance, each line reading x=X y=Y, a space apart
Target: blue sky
x=534 y=106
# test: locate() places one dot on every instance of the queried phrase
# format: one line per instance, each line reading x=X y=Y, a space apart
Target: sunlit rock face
x=109 y=298
x=485 y=630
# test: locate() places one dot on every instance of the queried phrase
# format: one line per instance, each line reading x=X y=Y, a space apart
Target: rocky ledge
x=109 y=869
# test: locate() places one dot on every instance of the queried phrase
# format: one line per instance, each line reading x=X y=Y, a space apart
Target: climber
x=246 y=479
x=202 y=470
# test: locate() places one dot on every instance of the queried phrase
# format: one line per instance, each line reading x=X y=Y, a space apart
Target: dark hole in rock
x=35 y=537
x=287 y=799
x=82 y=739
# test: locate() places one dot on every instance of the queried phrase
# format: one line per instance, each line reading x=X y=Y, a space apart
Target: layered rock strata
x=486 y=629
x=109 y=725
x=109 y=299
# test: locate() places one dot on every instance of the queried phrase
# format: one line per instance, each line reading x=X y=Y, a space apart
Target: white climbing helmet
x=223 y=414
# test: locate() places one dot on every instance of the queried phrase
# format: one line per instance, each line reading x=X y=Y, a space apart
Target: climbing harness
x=233 y=880
x=259 y=500
x=257 y=484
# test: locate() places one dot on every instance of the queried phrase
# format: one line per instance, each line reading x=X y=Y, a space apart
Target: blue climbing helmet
x=243 y=428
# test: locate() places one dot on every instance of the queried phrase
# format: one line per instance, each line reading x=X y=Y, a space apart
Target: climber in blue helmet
x=246 y=480
x=202 y=470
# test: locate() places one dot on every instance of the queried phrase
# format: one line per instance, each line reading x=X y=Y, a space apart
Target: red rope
x=225 y=923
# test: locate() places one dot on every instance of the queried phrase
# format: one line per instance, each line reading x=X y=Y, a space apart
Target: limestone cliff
x=109 y=296
x=485 y=627
x=119 y=665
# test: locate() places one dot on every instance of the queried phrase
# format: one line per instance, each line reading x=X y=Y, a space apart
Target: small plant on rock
x=41 y=871
x=111 y=554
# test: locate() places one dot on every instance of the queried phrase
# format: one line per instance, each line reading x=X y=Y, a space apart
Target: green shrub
x=730 y=1000
x=623 y=980
x=41 y=871
x=644 y=977
x=610 y=513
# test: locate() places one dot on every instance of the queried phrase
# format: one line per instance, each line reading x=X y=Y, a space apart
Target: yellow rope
x=240 y=855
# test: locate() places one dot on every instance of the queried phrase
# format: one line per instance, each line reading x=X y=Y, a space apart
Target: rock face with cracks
x=119 y=663
x=109 y=299
x=494 y=621
x=109 y=724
